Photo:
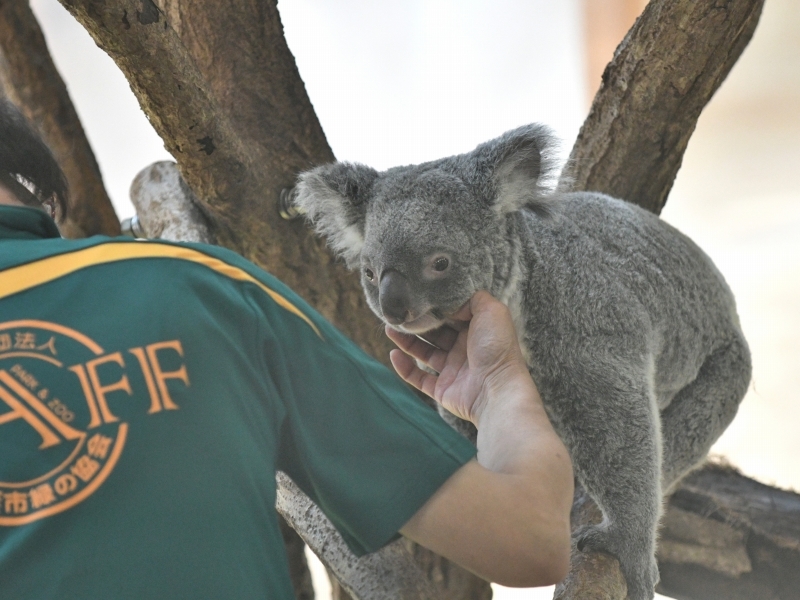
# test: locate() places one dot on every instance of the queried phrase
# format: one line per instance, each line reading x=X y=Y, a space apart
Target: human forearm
x=517 y=443
x=506 y=515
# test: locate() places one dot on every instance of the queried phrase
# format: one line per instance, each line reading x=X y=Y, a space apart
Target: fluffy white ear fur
x=525 y=169
x=332 y=214
x=517 y=180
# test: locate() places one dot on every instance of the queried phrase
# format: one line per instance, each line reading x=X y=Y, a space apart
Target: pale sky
x=391 y=83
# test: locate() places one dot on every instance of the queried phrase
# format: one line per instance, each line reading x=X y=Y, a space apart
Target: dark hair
x=27 y=167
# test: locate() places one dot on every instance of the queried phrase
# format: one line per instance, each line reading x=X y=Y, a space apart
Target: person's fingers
x=464 y=313
x=411 y=373
x=403 y=364
x=422 y=350
x=413 y=345
x=482 y=301
x=442 y=338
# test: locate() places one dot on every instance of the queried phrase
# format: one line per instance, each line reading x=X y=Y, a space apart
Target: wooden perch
x=30 y=80
x=389 y=574
x=166 y=207
x=729 y=537
x=724 y=536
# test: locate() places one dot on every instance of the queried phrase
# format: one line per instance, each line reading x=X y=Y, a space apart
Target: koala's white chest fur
x=512 y=298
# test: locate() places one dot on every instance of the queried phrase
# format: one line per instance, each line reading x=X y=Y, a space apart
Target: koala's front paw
x=638 y=566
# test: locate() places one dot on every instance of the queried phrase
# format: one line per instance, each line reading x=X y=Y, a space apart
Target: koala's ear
x=521 y=166
x=334 y=198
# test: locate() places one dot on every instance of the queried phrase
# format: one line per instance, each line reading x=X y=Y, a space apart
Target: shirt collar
x=24 y=223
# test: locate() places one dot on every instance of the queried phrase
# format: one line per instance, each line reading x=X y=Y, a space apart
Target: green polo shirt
x=149 y=391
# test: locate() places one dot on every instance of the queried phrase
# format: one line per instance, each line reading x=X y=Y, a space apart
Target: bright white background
x=399 y=83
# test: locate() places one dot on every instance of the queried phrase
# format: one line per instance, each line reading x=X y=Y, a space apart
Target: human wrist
x=508 y=388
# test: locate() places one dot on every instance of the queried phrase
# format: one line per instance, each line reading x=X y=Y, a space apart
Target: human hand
x=474 y=363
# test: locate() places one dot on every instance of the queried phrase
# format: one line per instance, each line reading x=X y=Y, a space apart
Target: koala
x=629 y=331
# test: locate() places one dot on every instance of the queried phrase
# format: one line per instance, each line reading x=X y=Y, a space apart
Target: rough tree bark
x=222 y=90
x=661 y=77
x=30 y=80
x=388 y=573
x=298 y=566
x=727 y=537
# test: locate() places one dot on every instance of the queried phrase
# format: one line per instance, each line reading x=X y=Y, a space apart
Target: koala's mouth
x=422 y=324
x=427 y=321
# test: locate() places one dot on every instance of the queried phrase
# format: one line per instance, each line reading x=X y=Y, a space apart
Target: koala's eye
x=369 y=274
x=440 y=264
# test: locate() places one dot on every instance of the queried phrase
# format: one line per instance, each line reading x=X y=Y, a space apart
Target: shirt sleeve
x=355 y=438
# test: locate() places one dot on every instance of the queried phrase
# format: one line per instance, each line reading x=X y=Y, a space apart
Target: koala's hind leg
x=614 y=443
x=700 y=412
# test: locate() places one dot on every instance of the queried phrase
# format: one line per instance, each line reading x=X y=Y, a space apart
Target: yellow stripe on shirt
x=24 y=277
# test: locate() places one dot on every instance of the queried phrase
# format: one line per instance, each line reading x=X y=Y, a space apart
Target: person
x=150 y=390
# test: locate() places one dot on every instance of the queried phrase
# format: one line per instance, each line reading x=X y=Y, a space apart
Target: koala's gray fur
x=629 y=330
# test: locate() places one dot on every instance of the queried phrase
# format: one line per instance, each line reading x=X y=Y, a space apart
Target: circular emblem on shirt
x=59 y=441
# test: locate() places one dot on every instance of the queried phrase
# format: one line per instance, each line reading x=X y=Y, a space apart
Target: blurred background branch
x=30 y=80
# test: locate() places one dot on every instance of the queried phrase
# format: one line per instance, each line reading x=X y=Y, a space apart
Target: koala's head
x=426 y=237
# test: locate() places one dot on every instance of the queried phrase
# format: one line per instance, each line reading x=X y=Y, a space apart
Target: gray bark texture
x=222 y=90
x=389 y=574
x=30 y=80
x=663 y=74
x=298 y=565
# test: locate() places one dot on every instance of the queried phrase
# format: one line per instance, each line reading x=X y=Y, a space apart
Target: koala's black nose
x=393 y=295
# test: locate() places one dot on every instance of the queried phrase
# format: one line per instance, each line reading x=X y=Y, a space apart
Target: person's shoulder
x=267 y=286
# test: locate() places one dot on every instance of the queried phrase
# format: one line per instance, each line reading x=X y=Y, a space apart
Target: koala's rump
x=612 y=287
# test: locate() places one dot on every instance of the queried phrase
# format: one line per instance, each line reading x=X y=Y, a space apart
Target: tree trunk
x=30 y=80
x=222 y=90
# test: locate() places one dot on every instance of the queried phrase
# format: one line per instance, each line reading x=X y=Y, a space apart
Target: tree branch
x=728 y=536
x=388 y=574
x=30 y=80
x=221 y=88
x=723 y=535
x=663 y=74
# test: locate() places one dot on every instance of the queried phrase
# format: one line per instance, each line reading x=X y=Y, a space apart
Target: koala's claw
x=641 y=576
